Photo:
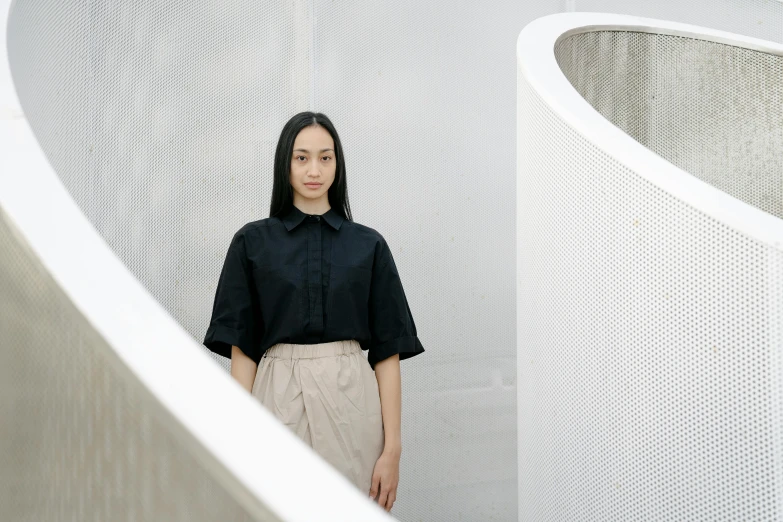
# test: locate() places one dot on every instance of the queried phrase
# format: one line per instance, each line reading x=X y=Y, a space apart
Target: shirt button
x=318 y=218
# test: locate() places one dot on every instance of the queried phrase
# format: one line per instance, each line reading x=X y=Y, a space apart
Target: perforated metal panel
x=712 y=109
x=650 y=332
x=161 y=119
x=758 y=18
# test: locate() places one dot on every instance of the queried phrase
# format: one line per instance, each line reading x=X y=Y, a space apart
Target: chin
x=306 y=194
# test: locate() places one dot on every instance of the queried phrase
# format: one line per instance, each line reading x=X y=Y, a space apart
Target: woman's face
x=313 y=164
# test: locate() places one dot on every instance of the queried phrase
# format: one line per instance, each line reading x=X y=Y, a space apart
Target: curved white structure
x=108 y=408
x=649 y=272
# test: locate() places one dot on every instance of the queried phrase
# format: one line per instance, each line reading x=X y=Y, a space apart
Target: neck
x=315 y=207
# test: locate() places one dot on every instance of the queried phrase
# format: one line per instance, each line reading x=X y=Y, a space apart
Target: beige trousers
x=328 y=396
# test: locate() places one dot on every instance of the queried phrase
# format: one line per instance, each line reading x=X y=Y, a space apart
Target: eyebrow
x=305 y=150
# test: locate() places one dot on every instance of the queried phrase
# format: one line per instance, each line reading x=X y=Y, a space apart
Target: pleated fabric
x=327 y=394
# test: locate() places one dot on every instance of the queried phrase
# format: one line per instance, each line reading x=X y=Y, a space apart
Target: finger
x=376 y=479
x=390 y=502
x=384 y=495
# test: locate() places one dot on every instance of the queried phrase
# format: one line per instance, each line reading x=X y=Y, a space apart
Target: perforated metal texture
x=161 y=119
x=650 y=364
x=713 y=110
x=758 y=18
x=79 y=439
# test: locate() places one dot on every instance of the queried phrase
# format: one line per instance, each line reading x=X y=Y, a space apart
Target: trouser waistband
x=310 y=351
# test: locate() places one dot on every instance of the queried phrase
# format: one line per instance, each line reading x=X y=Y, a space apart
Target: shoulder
x=252 y=234
x=254 y=228
x=364 y=231
x=373 y=239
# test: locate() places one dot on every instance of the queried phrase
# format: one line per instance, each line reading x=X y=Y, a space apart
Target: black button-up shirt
x=310 y=279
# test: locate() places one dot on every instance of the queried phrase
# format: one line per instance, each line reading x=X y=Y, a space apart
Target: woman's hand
x=385 y=477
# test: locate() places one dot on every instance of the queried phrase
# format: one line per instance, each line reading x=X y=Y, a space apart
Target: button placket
x=314 y=275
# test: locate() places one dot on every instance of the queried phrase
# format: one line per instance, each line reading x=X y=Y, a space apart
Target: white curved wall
x=650 y=299
x=711 y=109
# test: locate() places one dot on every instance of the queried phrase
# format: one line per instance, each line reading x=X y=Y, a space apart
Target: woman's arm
x=387 y=373
x=243 y=368
x=386 y=474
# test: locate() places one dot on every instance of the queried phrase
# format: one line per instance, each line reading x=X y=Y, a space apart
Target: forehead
x=313 y=138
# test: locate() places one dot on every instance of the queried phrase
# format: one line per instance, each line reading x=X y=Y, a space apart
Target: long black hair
x=282 y=191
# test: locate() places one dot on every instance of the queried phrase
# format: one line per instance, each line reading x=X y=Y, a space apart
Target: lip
x=313 y=185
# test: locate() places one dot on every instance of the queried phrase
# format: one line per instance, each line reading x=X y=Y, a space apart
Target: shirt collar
x=296 y=216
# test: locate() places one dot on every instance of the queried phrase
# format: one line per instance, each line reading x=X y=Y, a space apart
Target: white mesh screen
x=713 y=110
x=161 y=119
x=649 y=332
x=758 y=18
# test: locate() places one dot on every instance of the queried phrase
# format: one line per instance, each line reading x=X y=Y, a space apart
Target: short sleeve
x=235 y=318
x=392 y=328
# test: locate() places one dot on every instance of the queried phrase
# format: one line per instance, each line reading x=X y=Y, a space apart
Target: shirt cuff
x=405 y=346
x=219 y=339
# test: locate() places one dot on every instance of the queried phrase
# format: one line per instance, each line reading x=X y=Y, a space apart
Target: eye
x=327 y=157
x=297 y=157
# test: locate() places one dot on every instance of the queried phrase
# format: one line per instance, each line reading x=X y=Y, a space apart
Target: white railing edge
x=536 y=63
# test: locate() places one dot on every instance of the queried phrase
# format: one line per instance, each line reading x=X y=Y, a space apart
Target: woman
x=301 y=294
